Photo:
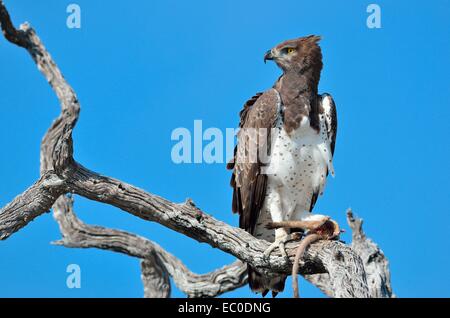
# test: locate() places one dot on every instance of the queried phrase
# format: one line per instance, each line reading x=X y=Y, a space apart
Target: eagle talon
x=273 y=246
x=280 y=243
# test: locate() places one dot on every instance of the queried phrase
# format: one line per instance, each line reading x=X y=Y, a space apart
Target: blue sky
x=144 y=68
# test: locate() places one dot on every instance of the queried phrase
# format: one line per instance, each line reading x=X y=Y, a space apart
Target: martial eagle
x=300 y=148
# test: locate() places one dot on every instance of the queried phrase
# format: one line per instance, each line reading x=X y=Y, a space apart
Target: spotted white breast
x=299 y=164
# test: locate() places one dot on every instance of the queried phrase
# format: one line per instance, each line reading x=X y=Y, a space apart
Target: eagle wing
x=248 y=182
x=329 y=109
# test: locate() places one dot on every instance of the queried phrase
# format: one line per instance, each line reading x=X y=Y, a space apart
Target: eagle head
x=297 y=55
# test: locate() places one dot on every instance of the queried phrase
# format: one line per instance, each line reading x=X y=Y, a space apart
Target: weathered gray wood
x=33 y=202
x=62 y=175
x=375 y=262
x=56 y=148
x=77 y=234
x=155 y=278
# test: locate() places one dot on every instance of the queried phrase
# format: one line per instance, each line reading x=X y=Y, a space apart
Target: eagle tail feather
x=261 y=284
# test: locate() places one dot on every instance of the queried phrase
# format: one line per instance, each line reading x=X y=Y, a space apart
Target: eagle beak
x=268 y=56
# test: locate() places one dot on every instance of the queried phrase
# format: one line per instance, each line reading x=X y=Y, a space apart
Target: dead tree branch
x=157 y=265
x=61 y=174
x=56 y=148
x=35 y=201
x=375 y=262
x=155 y=278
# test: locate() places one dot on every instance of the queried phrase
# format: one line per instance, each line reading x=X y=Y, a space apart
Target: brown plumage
x=298 y=85
x=293 y=97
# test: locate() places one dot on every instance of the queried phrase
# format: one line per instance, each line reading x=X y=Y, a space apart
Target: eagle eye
x=290 y=50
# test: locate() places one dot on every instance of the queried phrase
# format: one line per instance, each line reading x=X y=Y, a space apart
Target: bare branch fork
x=359 y=270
